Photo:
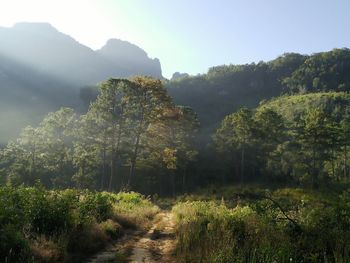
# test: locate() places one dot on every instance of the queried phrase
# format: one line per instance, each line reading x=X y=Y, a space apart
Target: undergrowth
x=286 y=225
x=39 y=225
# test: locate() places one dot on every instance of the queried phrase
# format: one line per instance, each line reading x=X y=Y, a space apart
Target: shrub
x=94 y=206
x=13 y=246
x=112 y=229
x=285 y=225
x=133 y=210
x=33 y=218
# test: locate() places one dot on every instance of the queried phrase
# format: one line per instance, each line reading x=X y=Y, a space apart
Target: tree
x=146 y=102
x=42 y=153
x=57 y=130
x=345 y=141
x=270 y=132
x=323 y=71
x=104 y=131
x=170 y=141
x=237 y=133
x=317 y=135
x=23 y=159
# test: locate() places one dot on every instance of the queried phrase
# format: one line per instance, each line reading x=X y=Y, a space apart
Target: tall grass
x=43 y=225
x=307 y=230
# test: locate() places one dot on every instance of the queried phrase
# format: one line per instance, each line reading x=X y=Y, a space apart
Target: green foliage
x=26 y=214
x=282 y=226
x=213 y=233
x=13 y=246
x=133 y=210
x=225 y=89
x=248 y=137
x=42 y=153
x=326 y=71
x=111 y=228
x=95 y=206
x=131 y=124
x=297 y=139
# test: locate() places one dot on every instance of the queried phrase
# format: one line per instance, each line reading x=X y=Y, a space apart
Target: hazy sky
x=193 y=35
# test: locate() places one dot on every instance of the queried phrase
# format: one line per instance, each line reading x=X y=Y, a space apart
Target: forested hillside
x=227 y=88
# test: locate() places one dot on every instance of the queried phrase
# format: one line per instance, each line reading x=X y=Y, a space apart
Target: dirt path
x=156 y=245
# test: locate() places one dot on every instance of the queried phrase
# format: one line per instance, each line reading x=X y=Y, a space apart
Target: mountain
x=41 y=46
x=133 y=58
x=42 y=69
x=178 y=76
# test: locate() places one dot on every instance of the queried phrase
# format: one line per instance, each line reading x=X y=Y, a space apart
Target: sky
x=192 y=35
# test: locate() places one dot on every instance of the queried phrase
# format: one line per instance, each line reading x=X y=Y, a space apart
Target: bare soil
x=155 y=245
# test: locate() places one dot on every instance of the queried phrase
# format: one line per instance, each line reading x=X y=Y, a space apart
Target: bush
x=133 y=210
x=213 y=233
x=112 y=229
x=47 y=213
x=13 y=246
x=290 y=225
x=74 y=221
x=95 y=206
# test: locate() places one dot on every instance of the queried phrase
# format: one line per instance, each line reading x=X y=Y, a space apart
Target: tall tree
x=146 y=103
x=170 y=141
x=316 y=136
x=237 y=132
x=57 y=128
x=104 y=127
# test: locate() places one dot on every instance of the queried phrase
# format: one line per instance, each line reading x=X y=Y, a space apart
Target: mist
x=103 y=159
x=42 y=69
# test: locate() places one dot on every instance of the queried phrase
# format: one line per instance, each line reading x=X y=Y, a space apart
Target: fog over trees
x=245 y=163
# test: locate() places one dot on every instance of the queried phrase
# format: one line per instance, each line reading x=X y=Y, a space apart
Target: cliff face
x=131 y=58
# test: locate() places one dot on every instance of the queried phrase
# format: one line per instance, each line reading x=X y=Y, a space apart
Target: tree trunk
x=345 y=162
x=82 y=172
x=313 y=177
x=236 y=167
x=32 y=168
x=333 y=168
x=172 y=175
x=134 y=158
x=242 y=166
x=184 y=179
x=136 y=148
x=113 y=170
x=103 y=168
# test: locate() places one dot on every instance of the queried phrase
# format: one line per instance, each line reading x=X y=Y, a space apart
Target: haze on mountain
x=41 y=46
x=42 y=69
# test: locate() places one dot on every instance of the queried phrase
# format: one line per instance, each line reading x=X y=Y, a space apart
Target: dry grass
x=134 y=211
x=46 y=250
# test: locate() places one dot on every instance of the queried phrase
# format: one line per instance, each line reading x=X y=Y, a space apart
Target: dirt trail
x=156 y=245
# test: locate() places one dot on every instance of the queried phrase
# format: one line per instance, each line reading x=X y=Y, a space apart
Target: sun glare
x=84 y=22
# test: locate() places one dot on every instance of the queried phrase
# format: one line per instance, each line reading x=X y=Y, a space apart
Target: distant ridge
x=44 y=48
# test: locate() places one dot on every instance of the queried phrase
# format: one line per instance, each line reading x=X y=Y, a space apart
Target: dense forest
x=254 y=160
x=234 y=86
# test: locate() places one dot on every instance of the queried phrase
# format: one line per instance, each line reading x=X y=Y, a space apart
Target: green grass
x=258 y=225
x=54 y=225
